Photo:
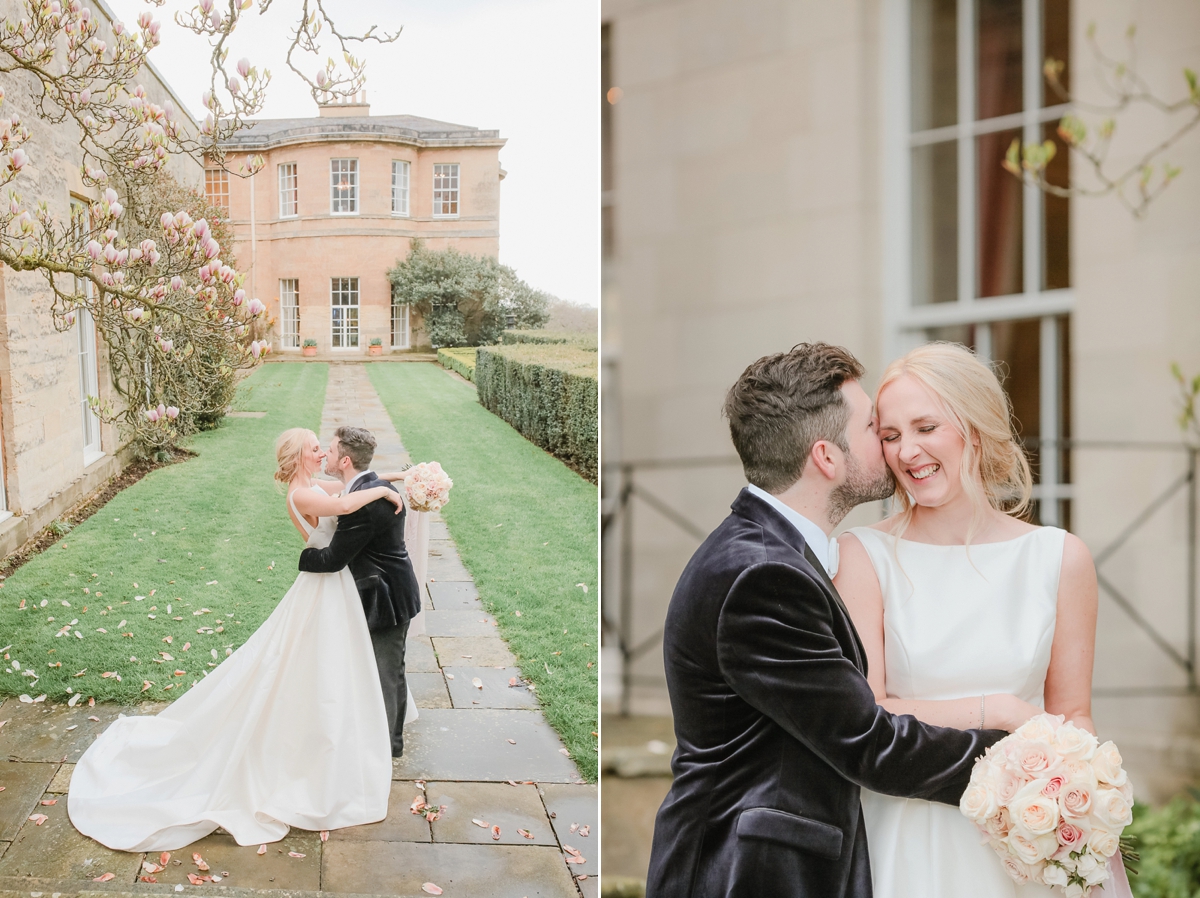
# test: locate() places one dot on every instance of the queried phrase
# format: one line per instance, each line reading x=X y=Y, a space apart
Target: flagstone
x=419 y=655
x=62 y=780
x=496 y=804
x=496 y=693
x=462 y=745
x=454 y=594
x=469 y=871
x=55 y=850
x=24 y=785
x=480 y=651
x=459 y=623
x=246 y=868
x=401 y=825
x=576 y=804
x=428 y=689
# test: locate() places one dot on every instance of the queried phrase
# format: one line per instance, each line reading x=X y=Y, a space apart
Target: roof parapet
x=343 y=106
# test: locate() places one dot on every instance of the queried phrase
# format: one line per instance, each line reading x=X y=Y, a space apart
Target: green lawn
x=526 y=528
x=201 y=545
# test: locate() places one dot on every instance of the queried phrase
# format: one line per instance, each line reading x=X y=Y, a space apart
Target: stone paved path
x=486 y=754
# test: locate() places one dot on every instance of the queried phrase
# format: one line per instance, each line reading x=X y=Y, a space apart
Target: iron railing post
x=626 y=624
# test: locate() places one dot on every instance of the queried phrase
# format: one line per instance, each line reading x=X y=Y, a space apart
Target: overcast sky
x=529 y=68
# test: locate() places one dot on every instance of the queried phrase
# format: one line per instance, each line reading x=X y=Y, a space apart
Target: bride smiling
x=970 y=616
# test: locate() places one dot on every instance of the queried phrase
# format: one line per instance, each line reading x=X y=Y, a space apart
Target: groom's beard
x=859 y=487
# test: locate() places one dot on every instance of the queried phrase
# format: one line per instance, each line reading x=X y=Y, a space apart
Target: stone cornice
x=341 y=131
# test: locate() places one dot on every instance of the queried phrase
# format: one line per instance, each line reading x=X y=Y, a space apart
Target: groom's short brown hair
x=783 y=404
x=357 y=444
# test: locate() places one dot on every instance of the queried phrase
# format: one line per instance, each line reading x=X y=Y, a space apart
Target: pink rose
x=1053 y=786
x=1036 y=757
x=1076 y=801
x=1070 y=835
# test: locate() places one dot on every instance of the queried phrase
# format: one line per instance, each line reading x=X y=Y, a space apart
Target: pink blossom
x=211 y=247
x=204 y=273
x=255 y=308
x=122 y=257
x=110 y=195
x=200 y=229
x=116 y=209
x=94 y=249
x=172 y=412
x=147 y=246
x=206 y=6
x=255 y=348
x=168 y=345
x=239 y=296
x=110 y=254
x=167 y=221
x=19 y=159
x=206 y=99
x=135 y=314
x=85 y=96
x=322 y=78
x=69 y=318
x=177 y=283
x=182 y=220
x=162 y=409
x=234 y=85
x=152 y=414
x=243 y=67
x=107 y=279
x=145 y=18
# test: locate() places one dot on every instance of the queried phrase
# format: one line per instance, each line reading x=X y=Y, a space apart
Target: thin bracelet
x=981 y=712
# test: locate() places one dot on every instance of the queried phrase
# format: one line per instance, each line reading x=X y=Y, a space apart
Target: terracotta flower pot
x=310 y=350
x=375 y=350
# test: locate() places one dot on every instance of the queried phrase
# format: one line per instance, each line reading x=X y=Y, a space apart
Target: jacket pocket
x=771 y=825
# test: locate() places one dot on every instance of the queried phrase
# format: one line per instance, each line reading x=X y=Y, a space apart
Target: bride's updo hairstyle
x=977 y=406
x=288 y=449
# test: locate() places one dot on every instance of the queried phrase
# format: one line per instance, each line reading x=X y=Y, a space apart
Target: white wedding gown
x=290 y=730
x=957 y=623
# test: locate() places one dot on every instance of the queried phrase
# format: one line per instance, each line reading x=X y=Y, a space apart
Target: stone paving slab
x=50 y=732
x=461 y=871
x=25 y=887
x=459 y=623
x=446 y=567
x=401 y=825
x=429 y=689
x=55 y=850
x=246 y=867
x=419 y=656
x=496 y=693
x=572 y=805
x=24 y=785
x=450 y=595
x=478 y=651
x=438 y=530
x=462 y=745
x=497 y=804
x=62 y=780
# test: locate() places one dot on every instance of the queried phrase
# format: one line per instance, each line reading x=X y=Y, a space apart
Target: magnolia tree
x=1138 y=182
x=144 y=258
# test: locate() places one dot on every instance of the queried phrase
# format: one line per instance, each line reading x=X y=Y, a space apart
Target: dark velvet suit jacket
x=371 y=542
x=777 y=727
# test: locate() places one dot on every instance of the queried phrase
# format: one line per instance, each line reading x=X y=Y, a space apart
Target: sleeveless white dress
x=290 y=730
x=957 y=623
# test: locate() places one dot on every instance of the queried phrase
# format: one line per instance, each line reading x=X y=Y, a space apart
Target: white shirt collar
x=358 y=477
x=823 y=547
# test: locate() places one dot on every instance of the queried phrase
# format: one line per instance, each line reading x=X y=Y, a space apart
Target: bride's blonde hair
x=288 y=449
x=979 y=409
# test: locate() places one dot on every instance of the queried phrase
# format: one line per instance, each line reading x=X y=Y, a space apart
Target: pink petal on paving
x=324 y=835
x=574 y=826
x=431 y=889
x=39 y=819
x=262 y=849
x=295 y=854
x=479 y=822
x=585 y=831
x=105 y=877
x=525 y=833
x=496 y=833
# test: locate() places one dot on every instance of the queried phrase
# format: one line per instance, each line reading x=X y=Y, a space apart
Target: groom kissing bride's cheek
x=818 y=716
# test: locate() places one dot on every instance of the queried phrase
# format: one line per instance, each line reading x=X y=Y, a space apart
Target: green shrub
x=460 y=360
x=548 y=392
x=1168 y=841
x=583 y=339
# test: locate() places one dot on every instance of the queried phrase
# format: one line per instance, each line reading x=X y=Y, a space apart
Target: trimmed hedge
x=460 y=360
x=549 y=393
x=576 y=338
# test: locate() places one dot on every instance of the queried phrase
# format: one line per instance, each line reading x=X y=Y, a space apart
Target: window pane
x=999 y=248
x=289 y=301
x=216 y=188
x=445 y=189
x=288 y=194
x=1016 y=352
x=935 y=223
x=934 y=74
x=1056 y=216
x=1056 y=44
x=954 y=333
x=400 y=188
x=998 y=58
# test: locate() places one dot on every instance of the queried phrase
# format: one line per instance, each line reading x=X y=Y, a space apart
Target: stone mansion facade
x=342 y=196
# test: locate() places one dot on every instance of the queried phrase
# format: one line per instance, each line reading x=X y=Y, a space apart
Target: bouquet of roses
x=1052 y=803
x=427 y=487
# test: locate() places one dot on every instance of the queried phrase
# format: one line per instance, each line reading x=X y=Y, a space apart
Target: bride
x=970 y=616
x=290 y=730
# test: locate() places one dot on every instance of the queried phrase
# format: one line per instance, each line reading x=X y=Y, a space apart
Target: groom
x=777 y=727
x=371 y=542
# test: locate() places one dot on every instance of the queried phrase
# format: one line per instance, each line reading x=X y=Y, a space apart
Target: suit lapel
x=860 y=653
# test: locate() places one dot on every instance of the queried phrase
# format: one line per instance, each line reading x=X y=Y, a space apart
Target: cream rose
x=1111 y=809
x=1034 y=812
x=1019 y=872
x=1036 y=758
x=1054 y=875
x=1103 y=842
x=1107 y=764
x=1007 y=784
x=1075 y=800
x=1074 y=744
x=1031 y=849
x=999 y=825
x=1080 y=773
x=979 y=802
x=1038 y=729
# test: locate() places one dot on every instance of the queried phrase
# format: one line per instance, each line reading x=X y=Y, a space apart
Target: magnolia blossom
x=172 y=412
x=18 y=159
x=153 y=415
x=255 y=308
x=69 y=318
x=176 y=283
x=243 y=67
x=239 y=296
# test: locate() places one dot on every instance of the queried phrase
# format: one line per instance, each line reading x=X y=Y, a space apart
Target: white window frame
x=401 y=178
x=346 y=335
x=402 y=325
x=444 y=195
x=350 y=170
x=216 y=188
x=289 y=190
x=906 y=323
x=289 y=312
x=89 y=381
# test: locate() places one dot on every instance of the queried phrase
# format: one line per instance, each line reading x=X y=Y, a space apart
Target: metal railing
x=617 y=605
